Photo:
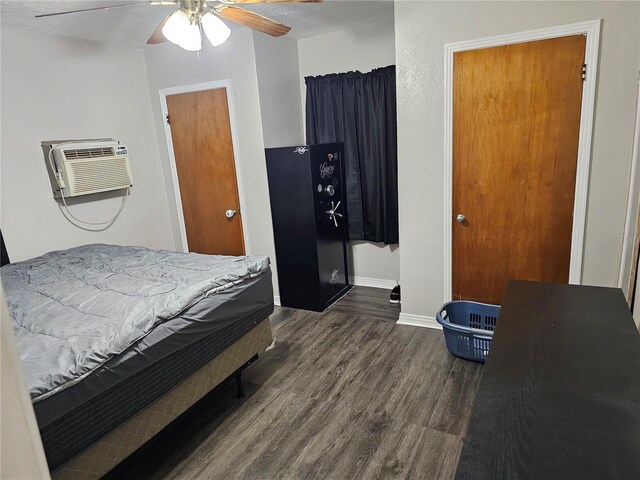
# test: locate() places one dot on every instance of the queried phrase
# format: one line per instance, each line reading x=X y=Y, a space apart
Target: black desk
x=560 y=392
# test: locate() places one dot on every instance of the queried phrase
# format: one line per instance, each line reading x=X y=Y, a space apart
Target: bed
x=117 y=342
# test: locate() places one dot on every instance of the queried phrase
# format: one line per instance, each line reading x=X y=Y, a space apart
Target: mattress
x=75 y=309
x=79 y=415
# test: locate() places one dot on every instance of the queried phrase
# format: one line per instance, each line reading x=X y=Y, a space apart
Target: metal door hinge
x=169 y=123
x=584 y=71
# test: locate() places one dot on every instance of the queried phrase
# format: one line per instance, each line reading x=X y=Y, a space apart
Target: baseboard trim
x=418 y=321
x=276 y=300
x=373 y=282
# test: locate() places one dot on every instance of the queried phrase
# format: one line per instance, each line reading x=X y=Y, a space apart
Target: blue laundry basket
x=468 y=328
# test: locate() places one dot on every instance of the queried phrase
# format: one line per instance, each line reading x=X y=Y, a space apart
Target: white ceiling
x=131 y=26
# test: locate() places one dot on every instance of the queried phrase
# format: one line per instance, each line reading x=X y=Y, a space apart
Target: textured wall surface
x=279 y=88
x=422 y=30
x=62 y=88
x=360 y=48
x=170 y=66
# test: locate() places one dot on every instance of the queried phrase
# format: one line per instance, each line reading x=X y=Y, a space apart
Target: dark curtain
x=359 y=109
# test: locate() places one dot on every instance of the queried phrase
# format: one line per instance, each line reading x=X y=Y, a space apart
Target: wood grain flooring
x=343 y=394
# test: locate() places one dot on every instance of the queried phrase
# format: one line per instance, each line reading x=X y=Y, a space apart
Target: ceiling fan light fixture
x=175 y=25
x=178 y=29
x=191 y=39
x=216 y=30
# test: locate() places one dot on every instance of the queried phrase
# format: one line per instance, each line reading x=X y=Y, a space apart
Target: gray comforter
x=75 y=309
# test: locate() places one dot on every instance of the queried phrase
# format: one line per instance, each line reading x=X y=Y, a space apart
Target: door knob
x=460 y=218
x=230 y=213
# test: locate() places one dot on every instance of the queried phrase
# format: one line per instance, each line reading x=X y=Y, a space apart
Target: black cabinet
x=559 y=396
x=306 y=187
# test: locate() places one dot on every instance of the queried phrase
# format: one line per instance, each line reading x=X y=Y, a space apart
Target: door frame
x=629 y=258
x=591 y=29
x=199 y=87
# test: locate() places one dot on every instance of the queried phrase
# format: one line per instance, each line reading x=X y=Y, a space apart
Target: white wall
x=422 y=29
x=360 y=48
x=22 y=454
x=60 y=88
x=279 y=89
x=170 y=66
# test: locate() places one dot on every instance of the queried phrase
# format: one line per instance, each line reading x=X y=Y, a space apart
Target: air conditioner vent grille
x=100 y=175
x=95 y=152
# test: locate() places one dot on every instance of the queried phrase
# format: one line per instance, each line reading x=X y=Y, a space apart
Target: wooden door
x=516 y=121
x=203 y=150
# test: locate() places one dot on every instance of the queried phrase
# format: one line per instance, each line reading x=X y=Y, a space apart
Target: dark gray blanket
x=75 y=309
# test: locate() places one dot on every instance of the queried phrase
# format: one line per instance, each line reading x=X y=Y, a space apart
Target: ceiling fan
x=185 y=25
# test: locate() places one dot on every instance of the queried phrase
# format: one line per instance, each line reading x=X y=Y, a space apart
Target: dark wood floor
x=344 y=394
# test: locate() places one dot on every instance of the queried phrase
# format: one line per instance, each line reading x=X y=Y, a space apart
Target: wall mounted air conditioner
x=85 y=167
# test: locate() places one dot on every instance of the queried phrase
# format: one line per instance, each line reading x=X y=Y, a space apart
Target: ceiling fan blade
x=253 y=20
x=276 y=1
x=93 y=9
x=157 y=36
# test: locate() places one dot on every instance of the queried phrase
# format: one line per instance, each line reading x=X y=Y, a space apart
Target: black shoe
x=395 y=295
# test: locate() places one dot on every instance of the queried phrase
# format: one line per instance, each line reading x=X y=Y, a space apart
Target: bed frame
x=121 y=442
x=112 y=448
